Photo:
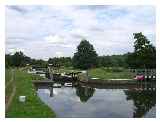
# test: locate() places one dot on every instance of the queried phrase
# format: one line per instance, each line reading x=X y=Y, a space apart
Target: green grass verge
x=8 y=75
x=104 y=73
x=33 y=107
x=8 y=83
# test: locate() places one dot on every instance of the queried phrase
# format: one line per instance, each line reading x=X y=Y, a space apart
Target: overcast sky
x=51 y=31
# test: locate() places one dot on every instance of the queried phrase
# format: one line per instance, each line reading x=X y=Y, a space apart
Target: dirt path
x=8 y=99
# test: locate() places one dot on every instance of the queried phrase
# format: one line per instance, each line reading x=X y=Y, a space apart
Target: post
x=51 y=91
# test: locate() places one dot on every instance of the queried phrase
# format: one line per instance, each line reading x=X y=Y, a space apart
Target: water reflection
x=84 y=93
x=81 y=100
x=143 y=101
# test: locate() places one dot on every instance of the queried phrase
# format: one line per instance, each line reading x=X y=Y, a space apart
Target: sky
x=54 y=31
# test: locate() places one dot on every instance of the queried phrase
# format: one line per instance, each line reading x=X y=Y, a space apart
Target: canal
x=99 y=102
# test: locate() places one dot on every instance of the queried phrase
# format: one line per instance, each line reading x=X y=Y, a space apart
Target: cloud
x=42 y=31
x=18 y=9
x=54 y=39
x=59 y=54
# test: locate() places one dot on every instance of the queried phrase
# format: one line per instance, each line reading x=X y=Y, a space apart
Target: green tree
x=86 y=56
x=8 y=60
x=17 y=59
x=104 y=61
x=61 y=61
x=39 y=63
x=144 y=55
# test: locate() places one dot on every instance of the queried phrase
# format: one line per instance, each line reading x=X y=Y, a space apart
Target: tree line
x=144 y=56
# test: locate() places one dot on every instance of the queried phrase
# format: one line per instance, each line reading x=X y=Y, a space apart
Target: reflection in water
x=143 y=101
x=88 y=101
x=84 y=92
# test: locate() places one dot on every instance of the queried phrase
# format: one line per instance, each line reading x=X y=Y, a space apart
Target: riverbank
x=22 y=83
x=105 y=73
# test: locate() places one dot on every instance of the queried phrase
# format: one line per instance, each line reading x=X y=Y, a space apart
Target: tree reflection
x=84 y=92
x=143 y=101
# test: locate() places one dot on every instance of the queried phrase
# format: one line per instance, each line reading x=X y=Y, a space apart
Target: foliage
x=39 y=63
x=85 y=57
x=144 y=55
x=61 y=61
x=16 y=60
x=112 y=61
x=20 y=60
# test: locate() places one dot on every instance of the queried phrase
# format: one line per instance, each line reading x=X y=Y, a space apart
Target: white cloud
x=59 y=54
x=41 y=31
x=54 y=39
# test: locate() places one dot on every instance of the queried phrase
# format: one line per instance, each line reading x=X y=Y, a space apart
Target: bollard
x=22 y=98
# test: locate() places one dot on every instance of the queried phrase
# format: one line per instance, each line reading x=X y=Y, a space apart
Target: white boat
x=68 y=84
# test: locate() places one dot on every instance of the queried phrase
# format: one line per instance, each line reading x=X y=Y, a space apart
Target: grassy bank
x=112 y=73
x=8 y=84
x=33 y=107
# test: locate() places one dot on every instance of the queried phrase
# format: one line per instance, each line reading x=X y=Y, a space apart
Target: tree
x=8 y=60
x=39 y=63
x=104 y=61
x=61 y=61
x=85 y=57
x=144 y=55
x=17 y=59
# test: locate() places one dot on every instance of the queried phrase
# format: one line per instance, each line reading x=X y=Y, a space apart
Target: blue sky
x=53 y=31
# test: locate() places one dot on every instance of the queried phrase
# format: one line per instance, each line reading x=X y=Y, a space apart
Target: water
x=88 y=101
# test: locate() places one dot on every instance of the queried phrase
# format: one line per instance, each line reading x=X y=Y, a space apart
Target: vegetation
x=112 y=61
x=8 y=83
x=21 y=60
x=62 y=61
x=110 y=73
x=85 y=57
x=144 y=55
x=33 y=107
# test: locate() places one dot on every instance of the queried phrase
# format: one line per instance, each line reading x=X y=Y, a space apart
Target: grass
x=8 y=75
x=33 y=107
x=8 y=83
x=112 y=73
x=104 y=72
x=66 y=70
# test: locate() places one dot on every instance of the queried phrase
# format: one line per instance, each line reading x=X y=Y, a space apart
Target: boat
x=68 y=84
x=139 y=77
